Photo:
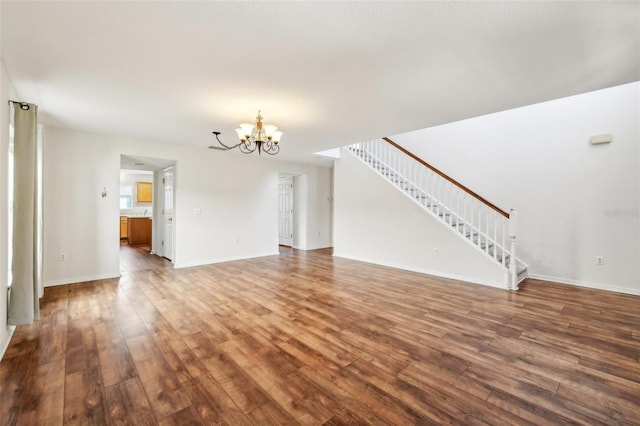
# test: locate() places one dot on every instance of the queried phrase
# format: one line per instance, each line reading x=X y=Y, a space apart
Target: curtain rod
x=23 y=105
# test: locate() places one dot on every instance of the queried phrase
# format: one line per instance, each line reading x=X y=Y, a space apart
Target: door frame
x=281 y=177
x=160 y=227
x=156 y=166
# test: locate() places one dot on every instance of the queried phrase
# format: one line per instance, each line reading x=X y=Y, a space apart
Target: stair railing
x=483 y=224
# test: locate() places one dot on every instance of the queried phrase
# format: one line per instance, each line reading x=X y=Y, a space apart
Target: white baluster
x=486 y=230
x=396 y=161
x=495 y=237
x=430 y=188
x=385 y=155
x=478 y=223
x=438 y=196
x=443 y=196
x=374 y=154
x=420 y=176
x=469 y=215
x=504 y=240
x=470 y=225
x=464 y=214
x=450 y=193
x=446 y=202
x=405 y=177
x=513 y=271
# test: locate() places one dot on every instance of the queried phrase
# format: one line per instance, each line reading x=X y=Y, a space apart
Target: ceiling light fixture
x=263 y=137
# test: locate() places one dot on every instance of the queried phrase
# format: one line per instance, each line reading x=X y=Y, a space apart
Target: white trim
x=220 y=260
x=313 y=248
x=85 y=278
x=5 y=345
x=424 y=271
x=586 y=284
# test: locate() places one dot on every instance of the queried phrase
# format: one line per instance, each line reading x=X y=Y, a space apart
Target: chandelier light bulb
x=269 y=130
x=247 y=130
x=276 y=136
x=258 y=136
x=241 y=134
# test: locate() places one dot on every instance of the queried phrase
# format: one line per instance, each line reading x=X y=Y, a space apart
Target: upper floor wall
x=576 y=201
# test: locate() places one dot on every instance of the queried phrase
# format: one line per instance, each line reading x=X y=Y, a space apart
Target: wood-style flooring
x=305 y=338
x=138 y=258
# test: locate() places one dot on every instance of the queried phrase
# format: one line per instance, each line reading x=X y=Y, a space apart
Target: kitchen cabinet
x=139 y=231
x=123 y=227
x=144 y=192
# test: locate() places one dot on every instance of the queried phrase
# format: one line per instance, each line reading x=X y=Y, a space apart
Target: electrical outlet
x=599 y=260
x=436 y=251
x=237 y=240
x=63 y=256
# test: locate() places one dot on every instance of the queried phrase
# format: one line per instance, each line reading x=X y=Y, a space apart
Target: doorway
x=285 y=211
x=143 y=201
x=165 y=248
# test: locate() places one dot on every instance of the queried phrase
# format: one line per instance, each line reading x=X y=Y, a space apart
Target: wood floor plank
x=184 y=417
x=270 y=414
x=116 y=364
x=212 y=403
x=235 y=381
x=43 y=396
x=307 y=338
x=284 y=392
x=84 y=398
x=163 y=389
x=128 y=404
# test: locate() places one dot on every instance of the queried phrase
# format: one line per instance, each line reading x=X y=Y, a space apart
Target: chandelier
x=263 y=137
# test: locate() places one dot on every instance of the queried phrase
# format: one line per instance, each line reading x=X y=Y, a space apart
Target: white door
x=285 y=211
x=167 y=213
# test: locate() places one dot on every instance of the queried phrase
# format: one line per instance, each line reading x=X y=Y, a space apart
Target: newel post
x=513 y=271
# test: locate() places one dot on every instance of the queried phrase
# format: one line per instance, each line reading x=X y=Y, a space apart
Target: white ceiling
x=327 y=73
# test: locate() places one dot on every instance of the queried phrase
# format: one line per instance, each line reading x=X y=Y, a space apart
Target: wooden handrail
x=444 y=176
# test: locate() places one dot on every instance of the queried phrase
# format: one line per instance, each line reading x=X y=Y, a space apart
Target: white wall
x=374 y=222
x=6 y=92
x=299 y=212
x=236 y=194
x=319 y=208
x=575 y=201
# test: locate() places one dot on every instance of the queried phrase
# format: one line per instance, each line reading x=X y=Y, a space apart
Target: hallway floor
x=139 y=258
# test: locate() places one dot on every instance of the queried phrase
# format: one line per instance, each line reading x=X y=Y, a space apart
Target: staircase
x=489 y=229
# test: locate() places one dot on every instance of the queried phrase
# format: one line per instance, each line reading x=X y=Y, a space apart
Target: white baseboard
x=4 y=345
x=73 y=280
x=587 y=284
x=466 y=279
x=316 y=247
x=220 y=260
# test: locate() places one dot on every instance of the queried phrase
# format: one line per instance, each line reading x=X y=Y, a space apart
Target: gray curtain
x=26 y=287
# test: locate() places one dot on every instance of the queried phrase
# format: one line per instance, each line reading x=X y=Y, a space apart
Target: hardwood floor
x=138 y=258
x=305 y=338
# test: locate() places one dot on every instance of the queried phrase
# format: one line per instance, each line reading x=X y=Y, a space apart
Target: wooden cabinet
x=139 y=231
x=123 y=227
x=144 y=192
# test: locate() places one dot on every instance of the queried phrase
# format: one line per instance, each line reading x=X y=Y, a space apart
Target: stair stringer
x=400 y=183
x=385 y=226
